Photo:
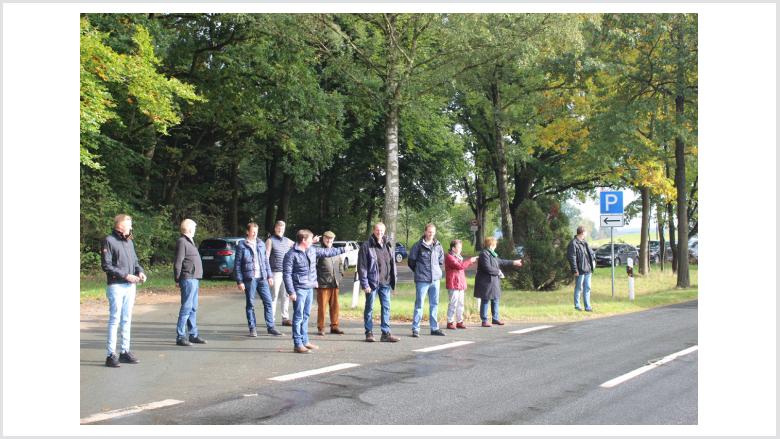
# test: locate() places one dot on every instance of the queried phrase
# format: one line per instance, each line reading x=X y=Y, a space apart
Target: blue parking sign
x=611 y=202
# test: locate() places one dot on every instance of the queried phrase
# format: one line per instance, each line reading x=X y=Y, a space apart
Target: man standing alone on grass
x=329 y=271
x=377 y=276
x=187 y=272
x=300 y=278
x=123 y=272
x=581 y=261
x=425 y=260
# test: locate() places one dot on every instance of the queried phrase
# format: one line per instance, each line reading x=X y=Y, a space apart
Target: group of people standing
x=287 y=271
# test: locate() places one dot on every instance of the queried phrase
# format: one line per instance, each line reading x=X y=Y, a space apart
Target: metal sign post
x=612 y=259
x=611 y=204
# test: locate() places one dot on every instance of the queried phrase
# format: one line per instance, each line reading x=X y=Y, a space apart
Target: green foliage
x=546 y=231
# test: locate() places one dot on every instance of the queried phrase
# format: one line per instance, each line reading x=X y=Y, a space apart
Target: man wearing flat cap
x=329 y=271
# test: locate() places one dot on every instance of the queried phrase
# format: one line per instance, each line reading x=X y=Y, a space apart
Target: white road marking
x=307 y=373
x=526 y=330
x=443 y=346
x=129 y=411
x=623 y=378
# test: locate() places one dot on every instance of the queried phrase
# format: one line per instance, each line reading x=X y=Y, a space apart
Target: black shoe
x=128 y=357
x=183 y=342
x=112 y=361
x=197 y=340
x=273 y=331
x=588 y=310
x=252 y=332
x=438 y=332
x=388 y=337
x=370 y=337
x=415 y=334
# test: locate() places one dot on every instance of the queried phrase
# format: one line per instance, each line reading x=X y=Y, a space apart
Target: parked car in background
x=693 y=252
x=654 y=248
x=218 y=256
x=400 y=252
x=622 y=253
x=350 y=257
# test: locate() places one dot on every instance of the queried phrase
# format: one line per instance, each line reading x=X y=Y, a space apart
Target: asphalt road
x=549 y=376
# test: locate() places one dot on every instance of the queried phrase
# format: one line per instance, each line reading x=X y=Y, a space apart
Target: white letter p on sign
x=610 y=199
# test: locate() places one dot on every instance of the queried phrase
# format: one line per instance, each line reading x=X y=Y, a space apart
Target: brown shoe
x=286 y=322
x=336 y=331
x=498 y=322
x=486 y=325
x=389 y=338
x=461 y=325
x=370 y=337
x=311 y=346
x=300 y=350
x=450 y=325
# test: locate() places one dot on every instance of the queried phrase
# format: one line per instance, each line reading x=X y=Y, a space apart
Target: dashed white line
x=307 y=373
x=443 y=346
x=527 y=330
x=634 y=373
x=129 y=411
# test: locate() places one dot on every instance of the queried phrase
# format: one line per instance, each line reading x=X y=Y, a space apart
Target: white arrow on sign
x=612 y=220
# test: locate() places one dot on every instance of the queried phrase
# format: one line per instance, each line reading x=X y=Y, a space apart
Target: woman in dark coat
x=487 y=284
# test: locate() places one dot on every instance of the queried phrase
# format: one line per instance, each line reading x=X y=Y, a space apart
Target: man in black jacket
x=123 y=272
x=582 y=261
x=187 y=272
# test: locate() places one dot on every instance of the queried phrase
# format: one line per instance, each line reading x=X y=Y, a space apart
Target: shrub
x=544 y=228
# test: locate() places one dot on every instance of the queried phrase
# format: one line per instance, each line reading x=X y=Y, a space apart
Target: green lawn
x=655 y=289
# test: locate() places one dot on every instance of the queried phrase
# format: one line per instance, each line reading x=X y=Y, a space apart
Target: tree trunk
x=370 y=216
x=500 y=167
x=149 y=155
x=284 y=202
x=390 y=211
x=235 y=186
x=523 y=182
x=644 y=266
x=270 y=192
x=661 y=238
x=683 y=275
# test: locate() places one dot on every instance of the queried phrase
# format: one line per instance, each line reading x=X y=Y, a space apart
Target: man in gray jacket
x=187 y=272
x=123 y=272
x=425 y=260
x=582 y=261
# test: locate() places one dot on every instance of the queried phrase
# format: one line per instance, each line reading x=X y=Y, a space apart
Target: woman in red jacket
x=455 y=267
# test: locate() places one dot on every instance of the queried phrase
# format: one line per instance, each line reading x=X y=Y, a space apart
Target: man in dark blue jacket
x=123 y=272
x=425 y=260
x=253 y=275
x=377 y=275
x=300 y=279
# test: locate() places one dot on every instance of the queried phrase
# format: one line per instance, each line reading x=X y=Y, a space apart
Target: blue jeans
x=252 y=289
x=483 y=307
x=189 y=308
x=300 y=317
x=368 y=311
x=582 y=283
x=121 y=298
x=432 y=289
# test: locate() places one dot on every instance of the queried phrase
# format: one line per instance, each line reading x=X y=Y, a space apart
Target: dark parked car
x=655 y=254
x=622 y=253
x=218 y=256
x=400 y=252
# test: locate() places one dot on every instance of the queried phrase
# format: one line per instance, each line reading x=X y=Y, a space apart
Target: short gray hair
x=187 y=225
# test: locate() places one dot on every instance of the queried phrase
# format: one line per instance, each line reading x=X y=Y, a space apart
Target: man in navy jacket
x=300 y=279
x=253 y=275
